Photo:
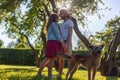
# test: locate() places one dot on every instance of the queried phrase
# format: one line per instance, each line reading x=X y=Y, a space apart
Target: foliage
x=105 y=36
x=21 y=56
x=80 y=8
x=11 y=44
x=21 y=45
x=25 y=56
x=17 y=56
x=1 y=43
x=10 y=72
x=80 y=45
x=117 y=58
x=18 y=21
x=29 y=16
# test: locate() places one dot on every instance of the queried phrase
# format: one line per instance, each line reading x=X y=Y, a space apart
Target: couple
x=59 y=40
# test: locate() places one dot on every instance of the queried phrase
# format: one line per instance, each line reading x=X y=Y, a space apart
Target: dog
x=91 y=60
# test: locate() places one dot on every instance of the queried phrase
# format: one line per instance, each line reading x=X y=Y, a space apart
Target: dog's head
x=95 y=50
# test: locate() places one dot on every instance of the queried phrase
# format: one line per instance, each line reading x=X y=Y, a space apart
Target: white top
x=64 y=28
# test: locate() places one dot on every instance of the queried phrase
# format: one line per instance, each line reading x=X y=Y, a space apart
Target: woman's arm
x=58 y=35
x=57 y=31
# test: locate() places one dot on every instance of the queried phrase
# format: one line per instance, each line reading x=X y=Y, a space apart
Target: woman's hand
x=64 y=47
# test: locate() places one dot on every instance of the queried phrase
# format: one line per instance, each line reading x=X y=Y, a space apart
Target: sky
x=96 y=24
x=99 y=24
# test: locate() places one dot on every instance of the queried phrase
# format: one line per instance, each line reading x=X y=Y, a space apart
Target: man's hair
x=66 y=12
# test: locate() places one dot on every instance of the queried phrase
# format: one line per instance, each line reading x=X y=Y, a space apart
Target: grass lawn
x=10 y=72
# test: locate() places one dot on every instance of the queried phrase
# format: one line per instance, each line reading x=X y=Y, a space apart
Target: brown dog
x=91 y=60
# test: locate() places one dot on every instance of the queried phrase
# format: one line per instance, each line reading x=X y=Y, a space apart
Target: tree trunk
x=35 y=52
x=112 y=50
x=79 y=34
x=43 y=36
x=44 y=44
x=111 y=53
x=54 y=9
x=114 y=44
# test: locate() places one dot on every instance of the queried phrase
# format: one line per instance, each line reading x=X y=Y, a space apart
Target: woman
x=54 y=44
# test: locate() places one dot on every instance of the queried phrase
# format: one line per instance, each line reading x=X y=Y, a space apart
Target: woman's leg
x=42 y=65
x=50 y=65
x=61 y=66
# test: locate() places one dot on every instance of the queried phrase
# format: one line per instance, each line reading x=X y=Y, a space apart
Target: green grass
x=10 y=72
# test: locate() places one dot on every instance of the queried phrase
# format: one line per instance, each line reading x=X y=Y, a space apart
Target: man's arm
x=70 y=31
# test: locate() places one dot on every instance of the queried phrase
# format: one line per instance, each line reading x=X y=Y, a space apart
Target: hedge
x=26 y=57
x=17 y=56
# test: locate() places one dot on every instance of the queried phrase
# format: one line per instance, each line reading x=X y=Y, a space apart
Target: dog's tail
x=64 y=56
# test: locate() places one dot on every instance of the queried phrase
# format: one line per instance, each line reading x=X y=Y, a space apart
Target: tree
x=30 y=23
x=19 y=25
x=115 y=42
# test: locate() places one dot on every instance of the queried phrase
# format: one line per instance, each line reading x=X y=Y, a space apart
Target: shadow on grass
x=46 y=78
x=21 y=74
x=18 y=77
x=73 y=79
x=111 y=78
x=12 y=71
x=19 y=70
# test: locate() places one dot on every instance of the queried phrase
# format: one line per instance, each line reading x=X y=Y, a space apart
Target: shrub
x=17 y=56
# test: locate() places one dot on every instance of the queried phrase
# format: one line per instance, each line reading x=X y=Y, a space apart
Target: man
x=67 y=29
x=66 y=32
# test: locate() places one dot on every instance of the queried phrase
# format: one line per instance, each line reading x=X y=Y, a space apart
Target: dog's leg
x=89 y=72
x=94 y=72
x=74 y=70
x=71 y=66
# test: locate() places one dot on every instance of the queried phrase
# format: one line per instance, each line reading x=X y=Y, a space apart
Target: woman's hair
x=52 y=18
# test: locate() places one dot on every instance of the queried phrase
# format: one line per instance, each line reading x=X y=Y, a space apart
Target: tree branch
x=79 y=34
x=52 y=3
x=112 y=50
x=53 y=6
x=46 y=9
x=113 y=45
x=33 y=49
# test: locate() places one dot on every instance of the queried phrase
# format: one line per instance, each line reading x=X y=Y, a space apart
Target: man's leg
x=69 y=51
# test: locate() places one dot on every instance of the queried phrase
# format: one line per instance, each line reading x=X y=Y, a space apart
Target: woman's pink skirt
x=52 y=47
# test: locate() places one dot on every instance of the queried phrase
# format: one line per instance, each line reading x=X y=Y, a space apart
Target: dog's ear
x=91 y=46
